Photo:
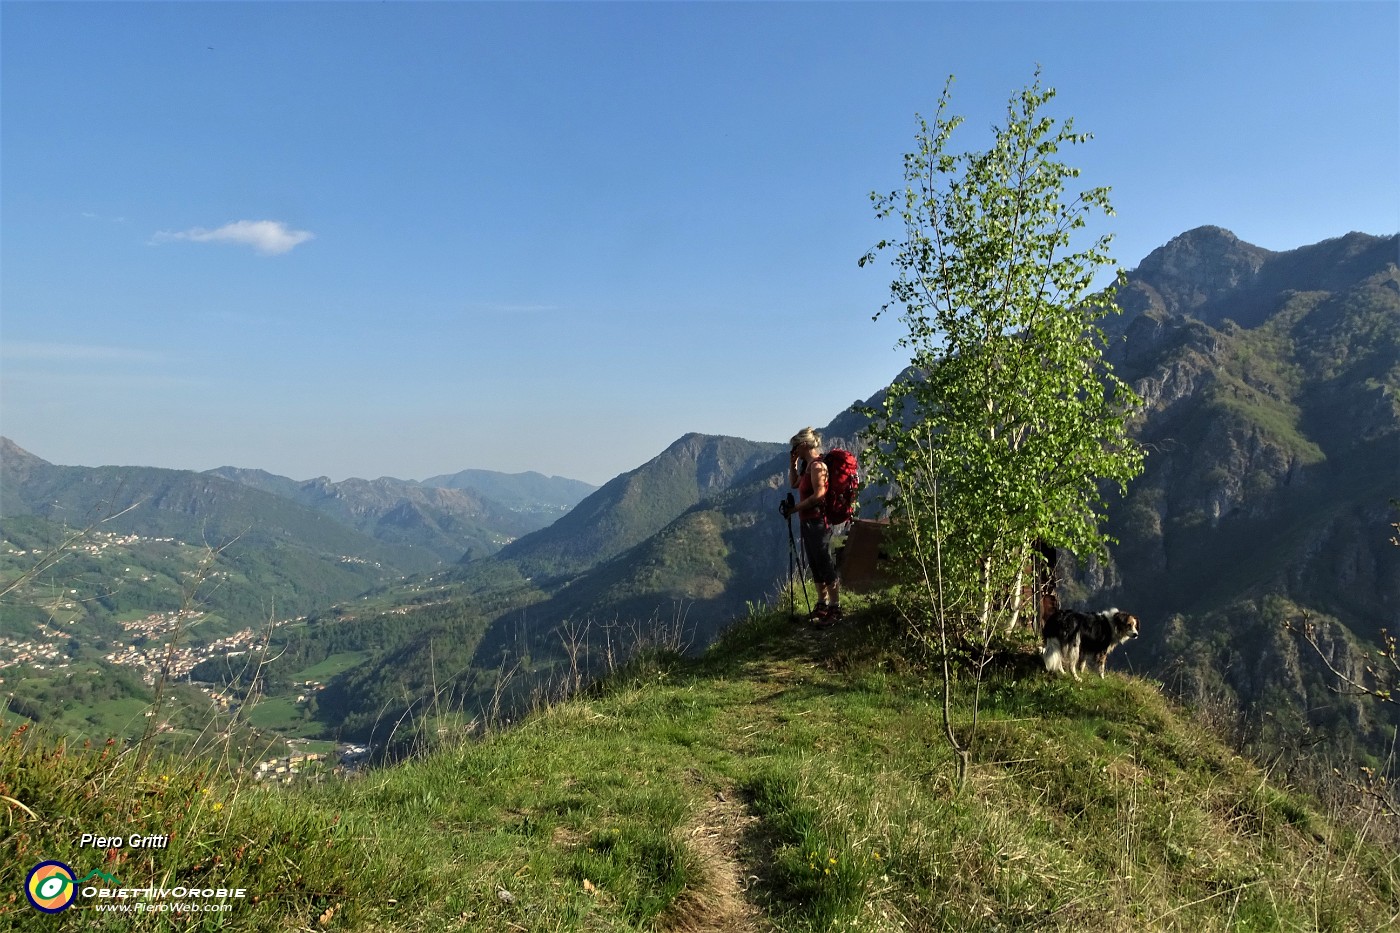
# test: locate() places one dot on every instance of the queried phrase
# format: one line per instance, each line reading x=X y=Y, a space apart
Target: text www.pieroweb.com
x=162 y=907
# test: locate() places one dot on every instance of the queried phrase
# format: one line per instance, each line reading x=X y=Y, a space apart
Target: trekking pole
x=792 y=565
x=795 y=559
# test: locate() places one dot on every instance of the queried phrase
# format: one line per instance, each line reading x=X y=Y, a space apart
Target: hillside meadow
x=790 y=779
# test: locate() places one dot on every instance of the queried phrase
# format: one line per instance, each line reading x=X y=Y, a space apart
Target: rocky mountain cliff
x=1272 y=422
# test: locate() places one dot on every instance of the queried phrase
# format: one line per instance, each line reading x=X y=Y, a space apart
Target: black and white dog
x=1070 y=635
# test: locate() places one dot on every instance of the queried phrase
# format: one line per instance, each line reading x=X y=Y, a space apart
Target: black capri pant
x=816 y=542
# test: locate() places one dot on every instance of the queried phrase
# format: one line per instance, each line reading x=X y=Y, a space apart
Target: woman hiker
x=807 y=473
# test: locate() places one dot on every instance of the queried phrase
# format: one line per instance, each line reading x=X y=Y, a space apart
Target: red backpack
x=842 y=484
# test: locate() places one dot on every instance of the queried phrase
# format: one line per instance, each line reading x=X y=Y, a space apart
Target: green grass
x=789 y=780
x=123 y=716
x=319 y=746
x=335 y=664
x=284 y=716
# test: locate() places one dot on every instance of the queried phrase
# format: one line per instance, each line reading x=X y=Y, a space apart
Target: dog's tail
x=1053 y=655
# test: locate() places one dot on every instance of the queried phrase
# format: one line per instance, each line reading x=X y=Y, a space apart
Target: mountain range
x=1271 y=383
x=409 y=525
x=451 y=517
x=1271 y=388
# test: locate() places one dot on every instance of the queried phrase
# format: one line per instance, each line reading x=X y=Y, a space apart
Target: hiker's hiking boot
x=830 y=616
x=819 y=613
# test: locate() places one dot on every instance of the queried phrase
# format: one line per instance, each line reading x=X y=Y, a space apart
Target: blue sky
x=364 y=239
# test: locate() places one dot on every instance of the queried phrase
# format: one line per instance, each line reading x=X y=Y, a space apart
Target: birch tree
x=1010 y=421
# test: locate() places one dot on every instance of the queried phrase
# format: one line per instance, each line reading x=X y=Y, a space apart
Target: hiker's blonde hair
x=806 y=438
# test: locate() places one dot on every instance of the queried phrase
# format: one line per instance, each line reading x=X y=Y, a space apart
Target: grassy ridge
x=789 y=780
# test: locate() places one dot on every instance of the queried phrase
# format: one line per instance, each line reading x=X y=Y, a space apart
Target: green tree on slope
x=1010 y=420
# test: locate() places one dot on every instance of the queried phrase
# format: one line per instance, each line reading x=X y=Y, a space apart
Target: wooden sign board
x=862 y=562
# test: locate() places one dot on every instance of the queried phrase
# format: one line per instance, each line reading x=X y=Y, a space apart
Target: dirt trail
x=726 y=903
x=730 y=898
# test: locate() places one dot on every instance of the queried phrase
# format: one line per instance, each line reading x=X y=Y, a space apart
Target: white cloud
x=269 y=237
x=104 y=218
